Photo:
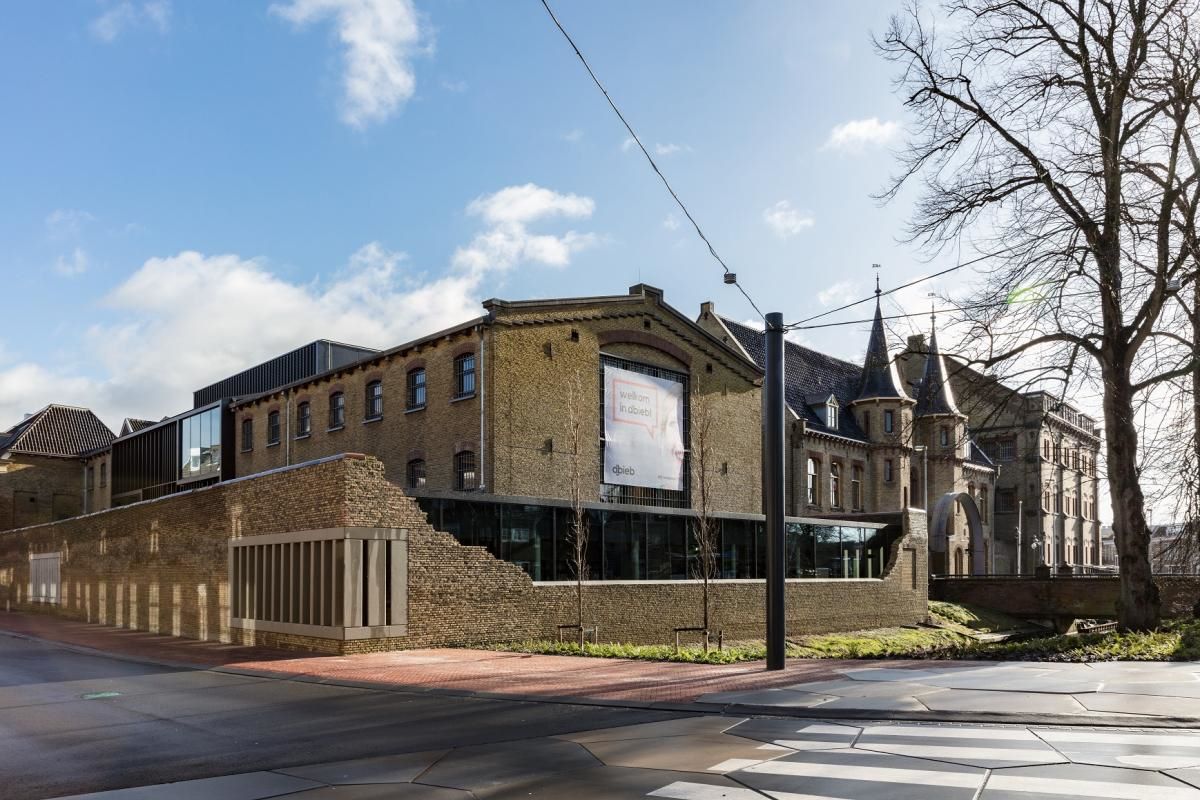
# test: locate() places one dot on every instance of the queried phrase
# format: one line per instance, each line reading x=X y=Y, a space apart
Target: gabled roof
x=64 y=431
x=935 y=395
x=807 y=374
x=131 y=425
x=879 y=379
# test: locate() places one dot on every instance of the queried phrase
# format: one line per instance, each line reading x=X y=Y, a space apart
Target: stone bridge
x=1061 y=599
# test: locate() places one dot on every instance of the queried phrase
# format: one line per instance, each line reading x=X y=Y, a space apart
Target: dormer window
x=831 y=415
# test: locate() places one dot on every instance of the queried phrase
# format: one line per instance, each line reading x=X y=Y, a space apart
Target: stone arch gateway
x=940 y=519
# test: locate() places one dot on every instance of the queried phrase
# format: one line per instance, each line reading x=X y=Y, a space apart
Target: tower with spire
x=884 y=411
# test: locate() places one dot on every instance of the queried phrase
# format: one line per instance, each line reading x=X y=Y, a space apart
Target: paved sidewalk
x=1119 y=693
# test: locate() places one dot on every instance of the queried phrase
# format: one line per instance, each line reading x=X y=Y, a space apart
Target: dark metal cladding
x=303 y=362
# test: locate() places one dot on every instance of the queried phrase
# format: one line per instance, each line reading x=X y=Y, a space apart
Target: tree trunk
x=1138 y=603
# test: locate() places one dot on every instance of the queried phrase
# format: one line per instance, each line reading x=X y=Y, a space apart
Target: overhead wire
x=799 y=327
x=730 y=276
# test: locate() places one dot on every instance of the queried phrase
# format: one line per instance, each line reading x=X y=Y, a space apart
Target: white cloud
x=74 y=264
x=380 y=38
x=858 y=134
x=785 y=220
x=573 y=135
x=67 y=222
x=628 y=144
x=839 y=293
x=127 y=14
x=185 y=320
x=669 y=149
x=457 y=87
x=508 y=240
x=671 y=222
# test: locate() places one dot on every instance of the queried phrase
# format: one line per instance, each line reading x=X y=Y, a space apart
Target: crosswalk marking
x=733 y=764
x=858 y=772
x=980 y=753
x=1078 y=788
x=686 y=790
x=998 y=734
x=1109 y=737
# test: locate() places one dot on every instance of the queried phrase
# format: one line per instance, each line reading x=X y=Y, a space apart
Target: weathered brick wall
x=1082 y=598
x=162 y=566
x=36 y=489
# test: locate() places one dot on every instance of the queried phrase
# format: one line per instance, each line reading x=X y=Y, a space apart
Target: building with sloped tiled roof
x=41 y=474
x=860 y=443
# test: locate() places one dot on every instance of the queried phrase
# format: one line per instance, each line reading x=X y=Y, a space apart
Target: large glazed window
x=200 y=445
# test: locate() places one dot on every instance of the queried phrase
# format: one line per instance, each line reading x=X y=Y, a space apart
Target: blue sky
x=192 y=187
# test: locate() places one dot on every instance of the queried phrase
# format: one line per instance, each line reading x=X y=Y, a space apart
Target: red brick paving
x=463 y=670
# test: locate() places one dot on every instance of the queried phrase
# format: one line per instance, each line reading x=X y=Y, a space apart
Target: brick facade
x=38 y=489
x=162 y=566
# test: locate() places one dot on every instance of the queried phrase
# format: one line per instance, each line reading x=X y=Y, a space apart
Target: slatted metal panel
x=44 y=578
x=303 y=362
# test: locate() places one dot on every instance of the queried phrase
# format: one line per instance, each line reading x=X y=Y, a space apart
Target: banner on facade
x=643 y=430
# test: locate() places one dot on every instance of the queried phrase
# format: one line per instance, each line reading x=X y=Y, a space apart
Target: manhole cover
x=100 y=695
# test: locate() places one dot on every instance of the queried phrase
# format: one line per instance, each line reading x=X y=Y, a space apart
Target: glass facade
x=631 y=545
x=200 y=445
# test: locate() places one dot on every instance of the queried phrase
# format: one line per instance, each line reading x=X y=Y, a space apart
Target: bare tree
x=578 y=440
x=704 y=524
x=1058 y=138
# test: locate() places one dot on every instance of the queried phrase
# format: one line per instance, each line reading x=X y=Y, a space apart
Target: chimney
x=916 y=343
x=707 y=309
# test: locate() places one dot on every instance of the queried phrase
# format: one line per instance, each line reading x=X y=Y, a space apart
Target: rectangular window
x=416 y=389
x=813 y=495
x=888 y=471
x=91 y=478
x=944 y=436
x=466 y=478
x=856 y=492
x=374 y=400
x=247 y=434
x=1006 y=500
x=103 y=474
x=835 y=484
x=337 y=410
x=303 y=419
x=464 y=375
x=1006 y=450
x=273 y=428
x=889 y=421
x=416 y=474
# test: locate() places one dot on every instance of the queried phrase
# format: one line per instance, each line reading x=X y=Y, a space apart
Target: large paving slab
x=1078 y=780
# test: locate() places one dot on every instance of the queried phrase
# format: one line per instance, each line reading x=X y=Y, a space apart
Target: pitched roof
x=879 y=377
x=131 y=425
x=64 y=431
x=935 y=395
x=807 y=374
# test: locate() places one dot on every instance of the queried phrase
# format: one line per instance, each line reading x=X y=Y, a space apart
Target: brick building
x=1045 y=451
x=40 y=477
x=858 y=442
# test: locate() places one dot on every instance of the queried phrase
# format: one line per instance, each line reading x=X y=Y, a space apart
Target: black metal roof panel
x=65 y=431
x=295 y=365
x=808 y=374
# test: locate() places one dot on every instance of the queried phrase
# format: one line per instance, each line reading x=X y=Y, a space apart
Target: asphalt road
x=72 y=722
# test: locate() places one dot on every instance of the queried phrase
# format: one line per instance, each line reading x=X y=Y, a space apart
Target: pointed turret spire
x=879 y=372
x=935 y=395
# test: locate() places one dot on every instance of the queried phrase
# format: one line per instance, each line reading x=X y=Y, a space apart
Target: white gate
x=44 y=577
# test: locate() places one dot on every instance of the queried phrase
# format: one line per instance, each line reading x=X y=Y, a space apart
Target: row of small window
x=466 y=472
x=464 y=386
x=835 y=484
x=1075 y=459
x=889 y=421
x=91 y=476
x=1072 y=506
